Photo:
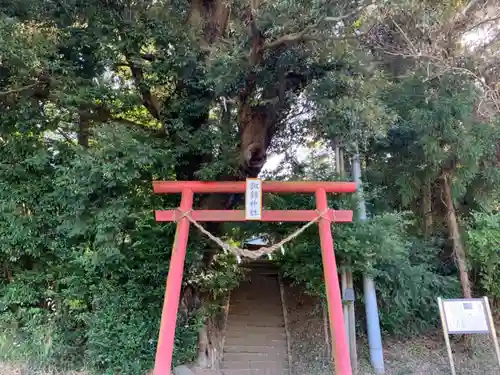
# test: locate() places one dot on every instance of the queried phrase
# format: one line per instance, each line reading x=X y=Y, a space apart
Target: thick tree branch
x=468 y=7
x=91 y=113
x=41 y=87
x=65 y=136
x=483 y=22
x=350 y=14
x=292 y=38
x=18 y=90
x=156 y=132
x=305 y=34
x=483 y=48
x=458 y=23
x=407 y=39
x=148 y=56
x=148 y=99
x=490 y=93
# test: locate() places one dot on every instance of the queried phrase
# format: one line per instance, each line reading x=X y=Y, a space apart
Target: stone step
x=255 y=372
x=238 y=314
x=278 y=357
x=253 y=303
x=253 y=327
x=243 y=365
x=235 y=335
x=242 y=329
x=253 y=306
x=252 y=299
x=256 y=322
x=255 y=338
x=252 y=340
x=251 y=346
x=271 y=296
x=259 y=348
x=272 y=315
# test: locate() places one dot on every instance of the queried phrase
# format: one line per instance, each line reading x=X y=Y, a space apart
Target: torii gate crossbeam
x=341 y=357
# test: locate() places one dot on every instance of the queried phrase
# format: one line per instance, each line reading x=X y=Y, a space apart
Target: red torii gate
x=163 y=361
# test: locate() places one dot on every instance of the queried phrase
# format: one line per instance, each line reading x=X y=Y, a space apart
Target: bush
x=408 y=288
x=483 y=236
x=405 y=270
x=84 y=262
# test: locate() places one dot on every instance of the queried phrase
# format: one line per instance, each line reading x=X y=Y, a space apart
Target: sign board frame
x=452 y=327
x=348 y=295
x=253 y=197
x=468 y=324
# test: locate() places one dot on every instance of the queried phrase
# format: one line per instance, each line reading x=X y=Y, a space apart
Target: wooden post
x=352 y=327
x=343 y=283
x=326 y=329
x=347 y=282
x=493 y=331
x=446 y=336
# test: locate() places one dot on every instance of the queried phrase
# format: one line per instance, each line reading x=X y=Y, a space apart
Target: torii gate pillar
x=341 y=357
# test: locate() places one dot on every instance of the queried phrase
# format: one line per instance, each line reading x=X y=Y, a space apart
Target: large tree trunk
x=83 y=131
x=454 y=236
x=257 y=123
x=208 y=20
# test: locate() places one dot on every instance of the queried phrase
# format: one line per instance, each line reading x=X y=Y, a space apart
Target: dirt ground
x=419 y=356
x=425 y=356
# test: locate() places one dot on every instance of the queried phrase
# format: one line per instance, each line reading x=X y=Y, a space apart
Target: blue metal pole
x=370 y=295
x=373 y=326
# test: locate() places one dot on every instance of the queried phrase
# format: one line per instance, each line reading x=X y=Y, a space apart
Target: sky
x=273 y=160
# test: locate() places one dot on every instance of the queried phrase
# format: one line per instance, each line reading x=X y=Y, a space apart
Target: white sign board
x=465 y=316
x=253 y=199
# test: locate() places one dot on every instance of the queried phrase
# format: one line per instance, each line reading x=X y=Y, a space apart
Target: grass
x=16 y=359
x=23 y=369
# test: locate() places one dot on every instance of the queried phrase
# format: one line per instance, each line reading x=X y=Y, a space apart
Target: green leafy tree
x=437 y=151
x=483 y=238
x=405 y=266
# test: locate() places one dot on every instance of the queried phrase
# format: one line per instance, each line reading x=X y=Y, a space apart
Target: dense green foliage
x=436 y=131
x=484 y=240
x=406 y=267
x=85 y=265
x=97 y=99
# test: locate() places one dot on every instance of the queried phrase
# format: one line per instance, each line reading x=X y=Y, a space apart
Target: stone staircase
x=255 y=340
